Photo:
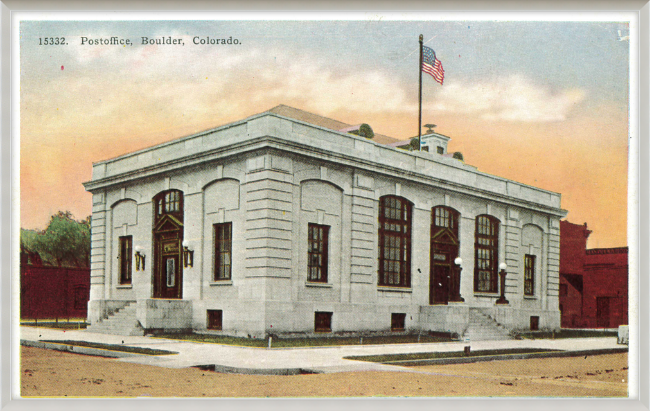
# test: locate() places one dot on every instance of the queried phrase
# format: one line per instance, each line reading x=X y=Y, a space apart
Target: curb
x=467 y=360
x=255 y=371
x=100 y=352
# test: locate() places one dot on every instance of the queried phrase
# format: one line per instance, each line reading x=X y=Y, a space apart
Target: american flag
x=431 y=64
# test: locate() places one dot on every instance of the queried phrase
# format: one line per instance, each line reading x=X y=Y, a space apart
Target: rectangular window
x=215 y=318
x=172 y=202
x=397 y=321
x=126 y=257
x=317 y=251
x=529 y=274
x=222 y=251
x=171 y=272
x=442 y=217
x=323 y=322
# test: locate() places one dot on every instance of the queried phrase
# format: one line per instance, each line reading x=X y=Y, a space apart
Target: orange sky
x=582 y=160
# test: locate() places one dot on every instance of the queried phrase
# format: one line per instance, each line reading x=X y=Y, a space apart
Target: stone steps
x=482 y=327
x=122 y=322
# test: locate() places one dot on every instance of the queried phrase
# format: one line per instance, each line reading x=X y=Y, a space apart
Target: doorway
x=439 y=284
x=602 y=312
x=444 y=249
x=167 y=245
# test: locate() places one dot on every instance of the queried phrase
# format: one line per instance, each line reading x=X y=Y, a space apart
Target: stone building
x=281 y=223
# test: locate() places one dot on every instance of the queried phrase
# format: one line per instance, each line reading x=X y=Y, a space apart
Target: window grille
x=317 y=252
x=486 y=249
x=222 y=251
x=394 y=242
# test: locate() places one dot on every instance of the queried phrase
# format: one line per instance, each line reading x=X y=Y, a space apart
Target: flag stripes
x=431 y=65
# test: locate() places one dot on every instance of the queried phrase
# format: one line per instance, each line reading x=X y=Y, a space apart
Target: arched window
x=486 y=247
x=445 y=217
x=394 y=241
x=168 y=202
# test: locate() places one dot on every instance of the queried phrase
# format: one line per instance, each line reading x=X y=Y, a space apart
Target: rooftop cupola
x=434 y=142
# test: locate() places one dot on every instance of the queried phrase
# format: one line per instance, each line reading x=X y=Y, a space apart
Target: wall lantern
x=188 y=255
x=139 y=258
x=502 y=300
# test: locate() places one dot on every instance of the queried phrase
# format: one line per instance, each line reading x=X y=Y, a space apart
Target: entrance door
x=602 y=312
x=440 y=281
x=168 y=279
x=167 y=240
x=439 y=284
x=443 y=251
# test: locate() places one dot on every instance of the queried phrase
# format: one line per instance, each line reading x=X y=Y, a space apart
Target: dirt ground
x=47 y=373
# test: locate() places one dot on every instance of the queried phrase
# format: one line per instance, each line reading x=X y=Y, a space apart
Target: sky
x=544 y=103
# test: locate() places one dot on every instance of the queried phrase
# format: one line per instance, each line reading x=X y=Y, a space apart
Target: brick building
x=593 y=282
x=52 y=293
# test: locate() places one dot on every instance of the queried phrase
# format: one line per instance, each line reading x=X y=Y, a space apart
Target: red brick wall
x=573 y=246
x=573 y=243
x=606 y=277
x=571 y=305
x=53 y=292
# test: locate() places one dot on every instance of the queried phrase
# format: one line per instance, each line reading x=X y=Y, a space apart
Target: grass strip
x=306 y=342
x=388 y=358
x=567 y=334
x=112 y=347
x=59 y=325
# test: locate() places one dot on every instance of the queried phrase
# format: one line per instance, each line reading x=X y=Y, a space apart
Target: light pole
x=456 y=283
x=502 y=273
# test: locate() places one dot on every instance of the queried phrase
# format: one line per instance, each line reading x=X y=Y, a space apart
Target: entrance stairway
x=482 y=327
x=122 y=322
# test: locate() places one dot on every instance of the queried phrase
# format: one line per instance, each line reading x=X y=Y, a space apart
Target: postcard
x=362 y=205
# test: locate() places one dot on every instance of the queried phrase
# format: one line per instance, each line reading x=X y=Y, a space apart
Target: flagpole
x=420 y=104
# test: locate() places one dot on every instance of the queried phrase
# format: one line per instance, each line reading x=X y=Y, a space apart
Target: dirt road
x=46 y=373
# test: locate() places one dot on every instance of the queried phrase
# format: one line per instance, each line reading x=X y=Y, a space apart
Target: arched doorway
x=167 y=244
x=444 y=250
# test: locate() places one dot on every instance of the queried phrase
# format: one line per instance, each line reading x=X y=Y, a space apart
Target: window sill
x=318 y=285
x=530 y=297
x=220 y=282
x=394 y=289
x=484 y=294
x=124 y=286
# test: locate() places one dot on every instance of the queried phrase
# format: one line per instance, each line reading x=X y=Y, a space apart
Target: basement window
x=534 y=323
x=215 y=318
x=323 y=322
x=397 y=321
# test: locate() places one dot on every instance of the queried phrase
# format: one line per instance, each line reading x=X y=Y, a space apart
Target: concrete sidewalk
x=254 y=360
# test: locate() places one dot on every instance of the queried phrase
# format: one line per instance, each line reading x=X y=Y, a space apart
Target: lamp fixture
x=139 y=258
x=188 y=255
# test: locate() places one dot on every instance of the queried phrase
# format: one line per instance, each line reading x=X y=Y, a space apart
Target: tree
x=415 y=144
x=364 y=131
x=64 y=243
x=458 y=155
